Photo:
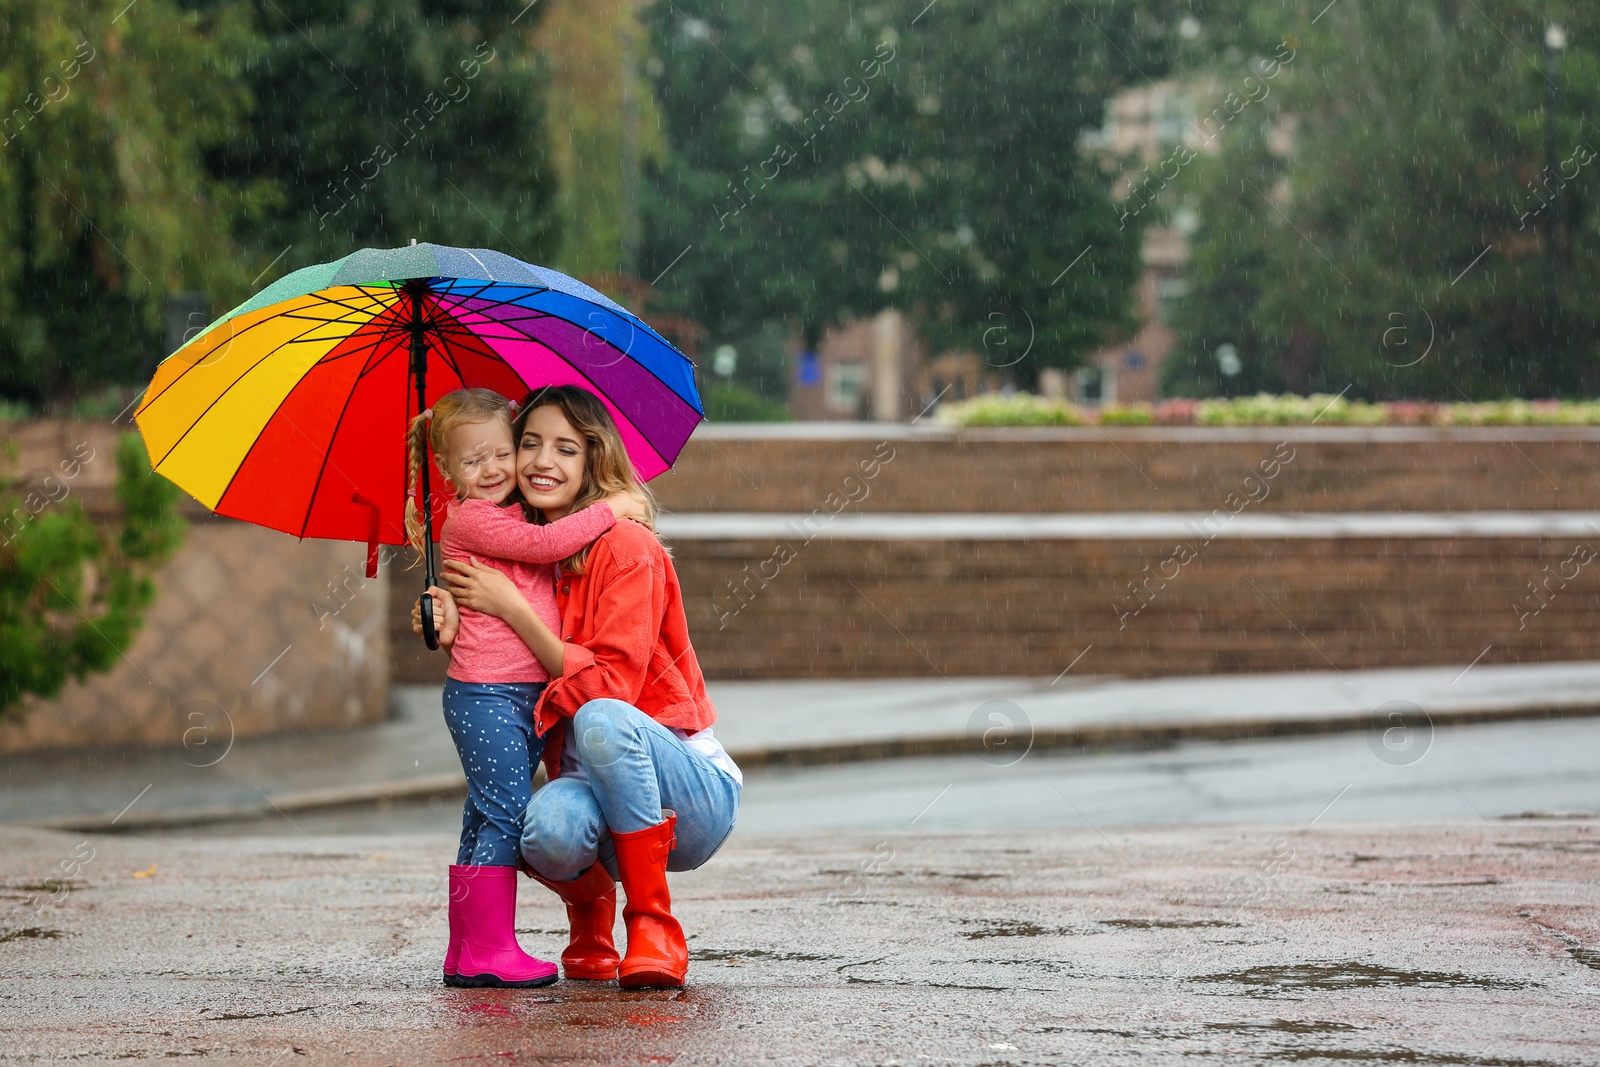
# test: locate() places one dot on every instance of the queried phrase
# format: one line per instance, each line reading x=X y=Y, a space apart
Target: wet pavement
x=1455 y=772
x=1465 y=942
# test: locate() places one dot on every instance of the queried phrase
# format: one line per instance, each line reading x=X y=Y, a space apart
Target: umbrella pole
x=419 y=369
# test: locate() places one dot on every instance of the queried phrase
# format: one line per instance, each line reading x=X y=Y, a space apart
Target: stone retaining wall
x=251 y=633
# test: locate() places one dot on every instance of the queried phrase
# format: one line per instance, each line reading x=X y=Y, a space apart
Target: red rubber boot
x=490 y=955
x=657 y=955
x=591 y=900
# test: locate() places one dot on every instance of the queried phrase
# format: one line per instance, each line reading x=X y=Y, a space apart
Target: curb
x=1132 y=736
x=369 y=793
x=1138 y=735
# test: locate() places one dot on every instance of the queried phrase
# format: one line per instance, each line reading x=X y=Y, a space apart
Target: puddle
x=1047 y=966
x=851 y=979
x=49 y=885
x=231 y=1017
x=1352 y=975
x=1288 y=1026
x=1012 y=928
x=29 y=933
x=1163 y=924
x=966 y=876
x=732 y=955
x=1589 y=957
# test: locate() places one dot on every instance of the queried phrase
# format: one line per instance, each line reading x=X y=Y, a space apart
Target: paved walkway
x=786 y=723
x=1446 y=943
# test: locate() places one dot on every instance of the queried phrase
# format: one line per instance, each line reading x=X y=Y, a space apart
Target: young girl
x=639 y=784
x=493 y=680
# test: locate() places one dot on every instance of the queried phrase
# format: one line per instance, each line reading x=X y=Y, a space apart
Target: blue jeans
x=631 y=768
x=492 y=726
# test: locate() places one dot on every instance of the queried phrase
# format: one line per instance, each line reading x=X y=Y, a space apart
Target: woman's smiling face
x=550 y=461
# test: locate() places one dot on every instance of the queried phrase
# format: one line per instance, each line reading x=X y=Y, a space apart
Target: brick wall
x=1084 y=470
x=864 y=609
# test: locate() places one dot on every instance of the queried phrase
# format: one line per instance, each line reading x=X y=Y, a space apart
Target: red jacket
x=626 y=638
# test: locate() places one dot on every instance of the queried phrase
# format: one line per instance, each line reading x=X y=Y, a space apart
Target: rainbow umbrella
x=290 y=411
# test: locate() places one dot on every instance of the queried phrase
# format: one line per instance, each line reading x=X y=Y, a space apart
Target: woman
x=638 y=784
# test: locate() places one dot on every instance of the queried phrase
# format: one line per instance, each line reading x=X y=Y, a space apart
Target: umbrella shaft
x=419 y=369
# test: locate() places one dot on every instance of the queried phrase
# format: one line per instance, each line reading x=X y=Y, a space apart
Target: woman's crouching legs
x=564 y=833
x=564 y=841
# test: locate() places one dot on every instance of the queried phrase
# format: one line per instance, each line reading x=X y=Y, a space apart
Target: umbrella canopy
x=290 y=411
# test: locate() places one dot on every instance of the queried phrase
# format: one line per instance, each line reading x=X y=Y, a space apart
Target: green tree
x=829 y=160
x=379 y=122
x=73 y=592
x=1401 y=248
x=591 y=46
x=106 y=207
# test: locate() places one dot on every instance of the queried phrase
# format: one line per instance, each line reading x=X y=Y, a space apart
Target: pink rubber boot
x=486 y=921
x=458 y=890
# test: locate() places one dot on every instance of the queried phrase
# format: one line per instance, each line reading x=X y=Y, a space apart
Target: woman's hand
x=628 y=506
x=482 y=588
x=446 y=619
x=487 y=590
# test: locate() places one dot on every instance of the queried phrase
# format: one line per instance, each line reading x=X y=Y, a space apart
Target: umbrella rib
x=456 y=326
x=365 y=349
x=535 y=313
x=155 y=463
x=149 y=400
x=597 y=390
x=327 y=459
x=372 y=301
x=326 y=454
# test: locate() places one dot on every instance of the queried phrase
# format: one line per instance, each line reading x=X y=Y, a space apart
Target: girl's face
x=480 y=462
x=550 y=461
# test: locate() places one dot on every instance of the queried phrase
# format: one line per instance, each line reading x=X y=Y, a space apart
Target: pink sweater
x=487 y=649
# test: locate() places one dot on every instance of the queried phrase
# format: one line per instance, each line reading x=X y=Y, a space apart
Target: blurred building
x=870 y=370
x=1145 y=125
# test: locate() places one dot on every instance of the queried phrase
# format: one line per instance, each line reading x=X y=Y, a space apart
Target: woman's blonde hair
x=607 y=469
x=431 y=429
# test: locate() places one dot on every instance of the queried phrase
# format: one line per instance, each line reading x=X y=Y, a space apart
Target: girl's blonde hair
x=432 y=429
x=606 y=466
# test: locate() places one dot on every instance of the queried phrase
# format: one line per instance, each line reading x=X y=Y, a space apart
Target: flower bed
x=1025 y=409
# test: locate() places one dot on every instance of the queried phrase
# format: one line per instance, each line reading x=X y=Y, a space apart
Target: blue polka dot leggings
x=492 y=726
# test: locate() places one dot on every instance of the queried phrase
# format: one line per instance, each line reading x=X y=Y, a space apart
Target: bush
x=734 y=403
x=73 y=593
x=1130 y=415
x=1023 y=409
x=1265 y=409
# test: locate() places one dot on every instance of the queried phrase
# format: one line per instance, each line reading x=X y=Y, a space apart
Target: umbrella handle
x=429 y=636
